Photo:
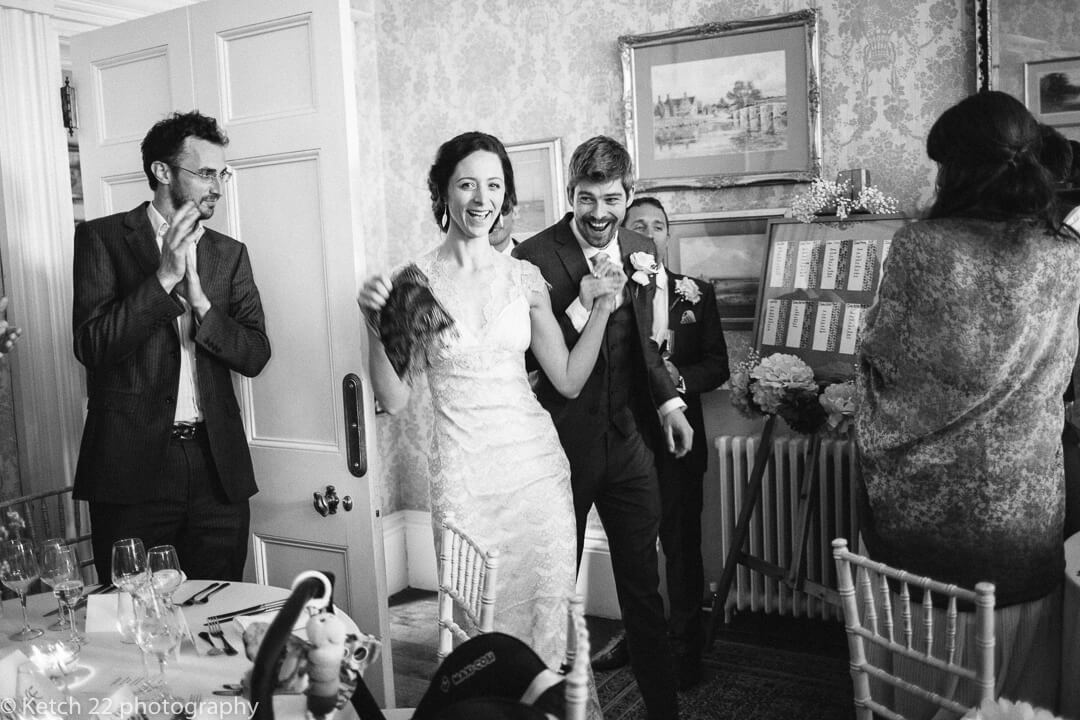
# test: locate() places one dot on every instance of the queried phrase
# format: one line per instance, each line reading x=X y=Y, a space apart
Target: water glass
x=69 y=589
x=52 y=571
x=129 y=564
x=125 y=616
x=18 y=571
x=159 y=629
x=165 y=573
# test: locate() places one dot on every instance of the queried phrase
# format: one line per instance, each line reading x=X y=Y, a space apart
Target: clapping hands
x=178 y=267
x=605 y=284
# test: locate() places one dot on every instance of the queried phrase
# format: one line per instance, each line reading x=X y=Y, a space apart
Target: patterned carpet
x=762 y=667
x=747 y=682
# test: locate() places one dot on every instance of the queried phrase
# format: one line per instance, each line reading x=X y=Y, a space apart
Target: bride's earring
x=499 y=223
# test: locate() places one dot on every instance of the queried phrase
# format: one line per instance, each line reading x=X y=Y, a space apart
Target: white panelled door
x=278 y=75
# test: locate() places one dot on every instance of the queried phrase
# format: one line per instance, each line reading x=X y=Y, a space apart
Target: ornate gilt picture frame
x=726 y=103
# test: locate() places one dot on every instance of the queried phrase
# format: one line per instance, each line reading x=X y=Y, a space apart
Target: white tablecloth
x=105 y=661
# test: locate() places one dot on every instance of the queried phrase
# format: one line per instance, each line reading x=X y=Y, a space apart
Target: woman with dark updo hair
x=963 y=361
x=496 y=460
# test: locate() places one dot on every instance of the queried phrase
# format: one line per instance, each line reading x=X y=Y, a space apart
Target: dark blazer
x=700 y=353
x=558 y=255
x=125 y=334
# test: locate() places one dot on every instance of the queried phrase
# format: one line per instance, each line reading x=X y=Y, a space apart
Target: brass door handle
x=327 y=502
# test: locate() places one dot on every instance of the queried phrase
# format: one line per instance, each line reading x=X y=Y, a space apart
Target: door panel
x=134 y=80
x=290 y=114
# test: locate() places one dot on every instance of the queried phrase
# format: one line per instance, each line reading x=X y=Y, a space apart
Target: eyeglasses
x=208 y=175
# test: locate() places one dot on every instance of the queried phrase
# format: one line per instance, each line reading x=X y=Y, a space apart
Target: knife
x=194 y=598
x=206 y=598
x=253 y=610
x=99 y=590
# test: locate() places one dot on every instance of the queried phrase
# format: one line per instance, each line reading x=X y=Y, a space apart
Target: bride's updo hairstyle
x=987 y=148
x=447 y=158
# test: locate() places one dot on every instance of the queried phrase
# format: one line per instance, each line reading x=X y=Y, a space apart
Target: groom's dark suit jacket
x=561 y=261
x=125 y=333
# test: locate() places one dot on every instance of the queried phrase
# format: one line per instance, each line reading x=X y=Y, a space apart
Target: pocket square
x=688 y=318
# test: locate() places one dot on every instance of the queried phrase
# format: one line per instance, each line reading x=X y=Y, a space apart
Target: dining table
x=110 y=671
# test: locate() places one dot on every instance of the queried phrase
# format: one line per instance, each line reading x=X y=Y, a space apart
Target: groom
x=629 y=397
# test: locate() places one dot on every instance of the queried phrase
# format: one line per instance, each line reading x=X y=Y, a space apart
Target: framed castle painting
x=726 y=103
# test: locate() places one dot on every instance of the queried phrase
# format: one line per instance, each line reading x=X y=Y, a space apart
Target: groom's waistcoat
x=613 y=397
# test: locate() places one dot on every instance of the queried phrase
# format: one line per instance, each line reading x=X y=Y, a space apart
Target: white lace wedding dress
x=496 y=461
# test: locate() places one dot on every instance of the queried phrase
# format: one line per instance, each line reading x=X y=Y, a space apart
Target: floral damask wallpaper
x=530 y=69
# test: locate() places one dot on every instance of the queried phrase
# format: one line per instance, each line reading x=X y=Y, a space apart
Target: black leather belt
x=184 y=431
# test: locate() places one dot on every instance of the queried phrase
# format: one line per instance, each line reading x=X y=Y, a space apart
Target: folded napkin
x=299 y=627
x=101 y=612
x=10 y=661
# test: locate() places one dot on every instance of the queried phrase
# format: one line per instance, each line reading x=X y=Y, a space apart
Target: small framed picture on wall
x=1052 y=90
x=538 y=178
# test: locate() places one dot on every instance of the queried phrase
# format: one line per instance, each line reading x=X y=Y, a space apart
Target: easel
x=794 y=576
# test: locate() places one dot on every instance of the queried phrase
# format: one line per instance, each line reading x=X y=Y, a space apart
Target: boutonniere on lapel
x=645 y=267
x=688 y=290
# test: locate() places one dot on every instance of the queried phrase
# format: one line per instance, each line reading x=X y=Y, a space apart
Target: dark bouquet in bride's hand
x=412 y=323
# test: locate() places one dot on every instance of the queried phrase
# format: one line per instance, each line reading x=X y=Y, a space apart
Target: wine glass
x=70 y=588
x=18 y=571
x=52 y=571
x=165 y=573
x=159 y=629
x=129 y=576
x=129 y=564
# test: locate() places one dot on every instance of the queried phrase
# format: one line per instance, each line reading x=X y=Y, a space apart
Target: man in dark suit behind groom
x=628 y=398
x=687 y=325
x=164 y=310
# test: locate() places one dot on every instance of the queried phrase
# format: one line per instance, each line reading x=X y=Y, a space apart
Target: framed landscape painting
x=538 y=178
x=722 y=104
x=726 y=249
x=1052 y=90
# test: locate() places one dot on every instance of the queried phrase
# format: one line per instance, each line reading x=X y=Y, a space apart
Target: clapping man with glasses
x=165 y=309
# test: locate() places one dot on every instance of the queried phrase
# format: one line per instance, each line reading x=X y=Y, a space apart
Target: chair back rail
x=467 y=575
x=867 y=599
x=54 y=513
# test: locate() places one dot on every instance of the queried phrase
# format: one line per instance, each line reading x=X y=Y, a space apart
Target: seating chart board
x=818 y=280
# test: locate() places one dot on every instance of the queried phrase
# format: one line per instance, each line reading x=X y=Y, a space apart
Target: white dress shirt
x=188 y=408
x=579 y=315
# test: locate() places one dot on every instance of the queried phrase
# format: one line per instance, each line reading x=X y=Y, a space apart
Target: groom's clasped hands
x=606 y=282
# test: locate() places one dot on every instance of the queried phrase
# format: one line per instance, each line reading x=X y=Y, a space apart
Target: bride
x=496 y=461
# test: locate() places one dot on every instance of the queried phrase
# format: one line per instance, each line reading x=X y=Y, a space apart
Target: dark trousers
x=618 y=475
x=681 y=500
x=194 y=515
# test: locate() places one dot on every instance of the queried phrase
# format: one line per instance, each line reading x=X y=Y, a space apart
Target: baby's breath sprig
x=826 y=195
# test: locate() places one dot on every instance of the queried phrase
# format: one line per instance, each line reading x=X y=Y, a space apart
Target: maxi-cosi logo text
x=468 y=671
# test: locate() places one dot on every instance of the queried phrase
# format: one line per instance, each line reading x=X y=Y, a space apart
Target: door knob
x=320 y=504
x=326 y=502
x=332 y=499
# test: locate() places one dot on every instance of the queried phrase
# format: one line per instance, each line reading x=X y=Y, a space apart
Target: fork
x=215 y=629
x=190 y=707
